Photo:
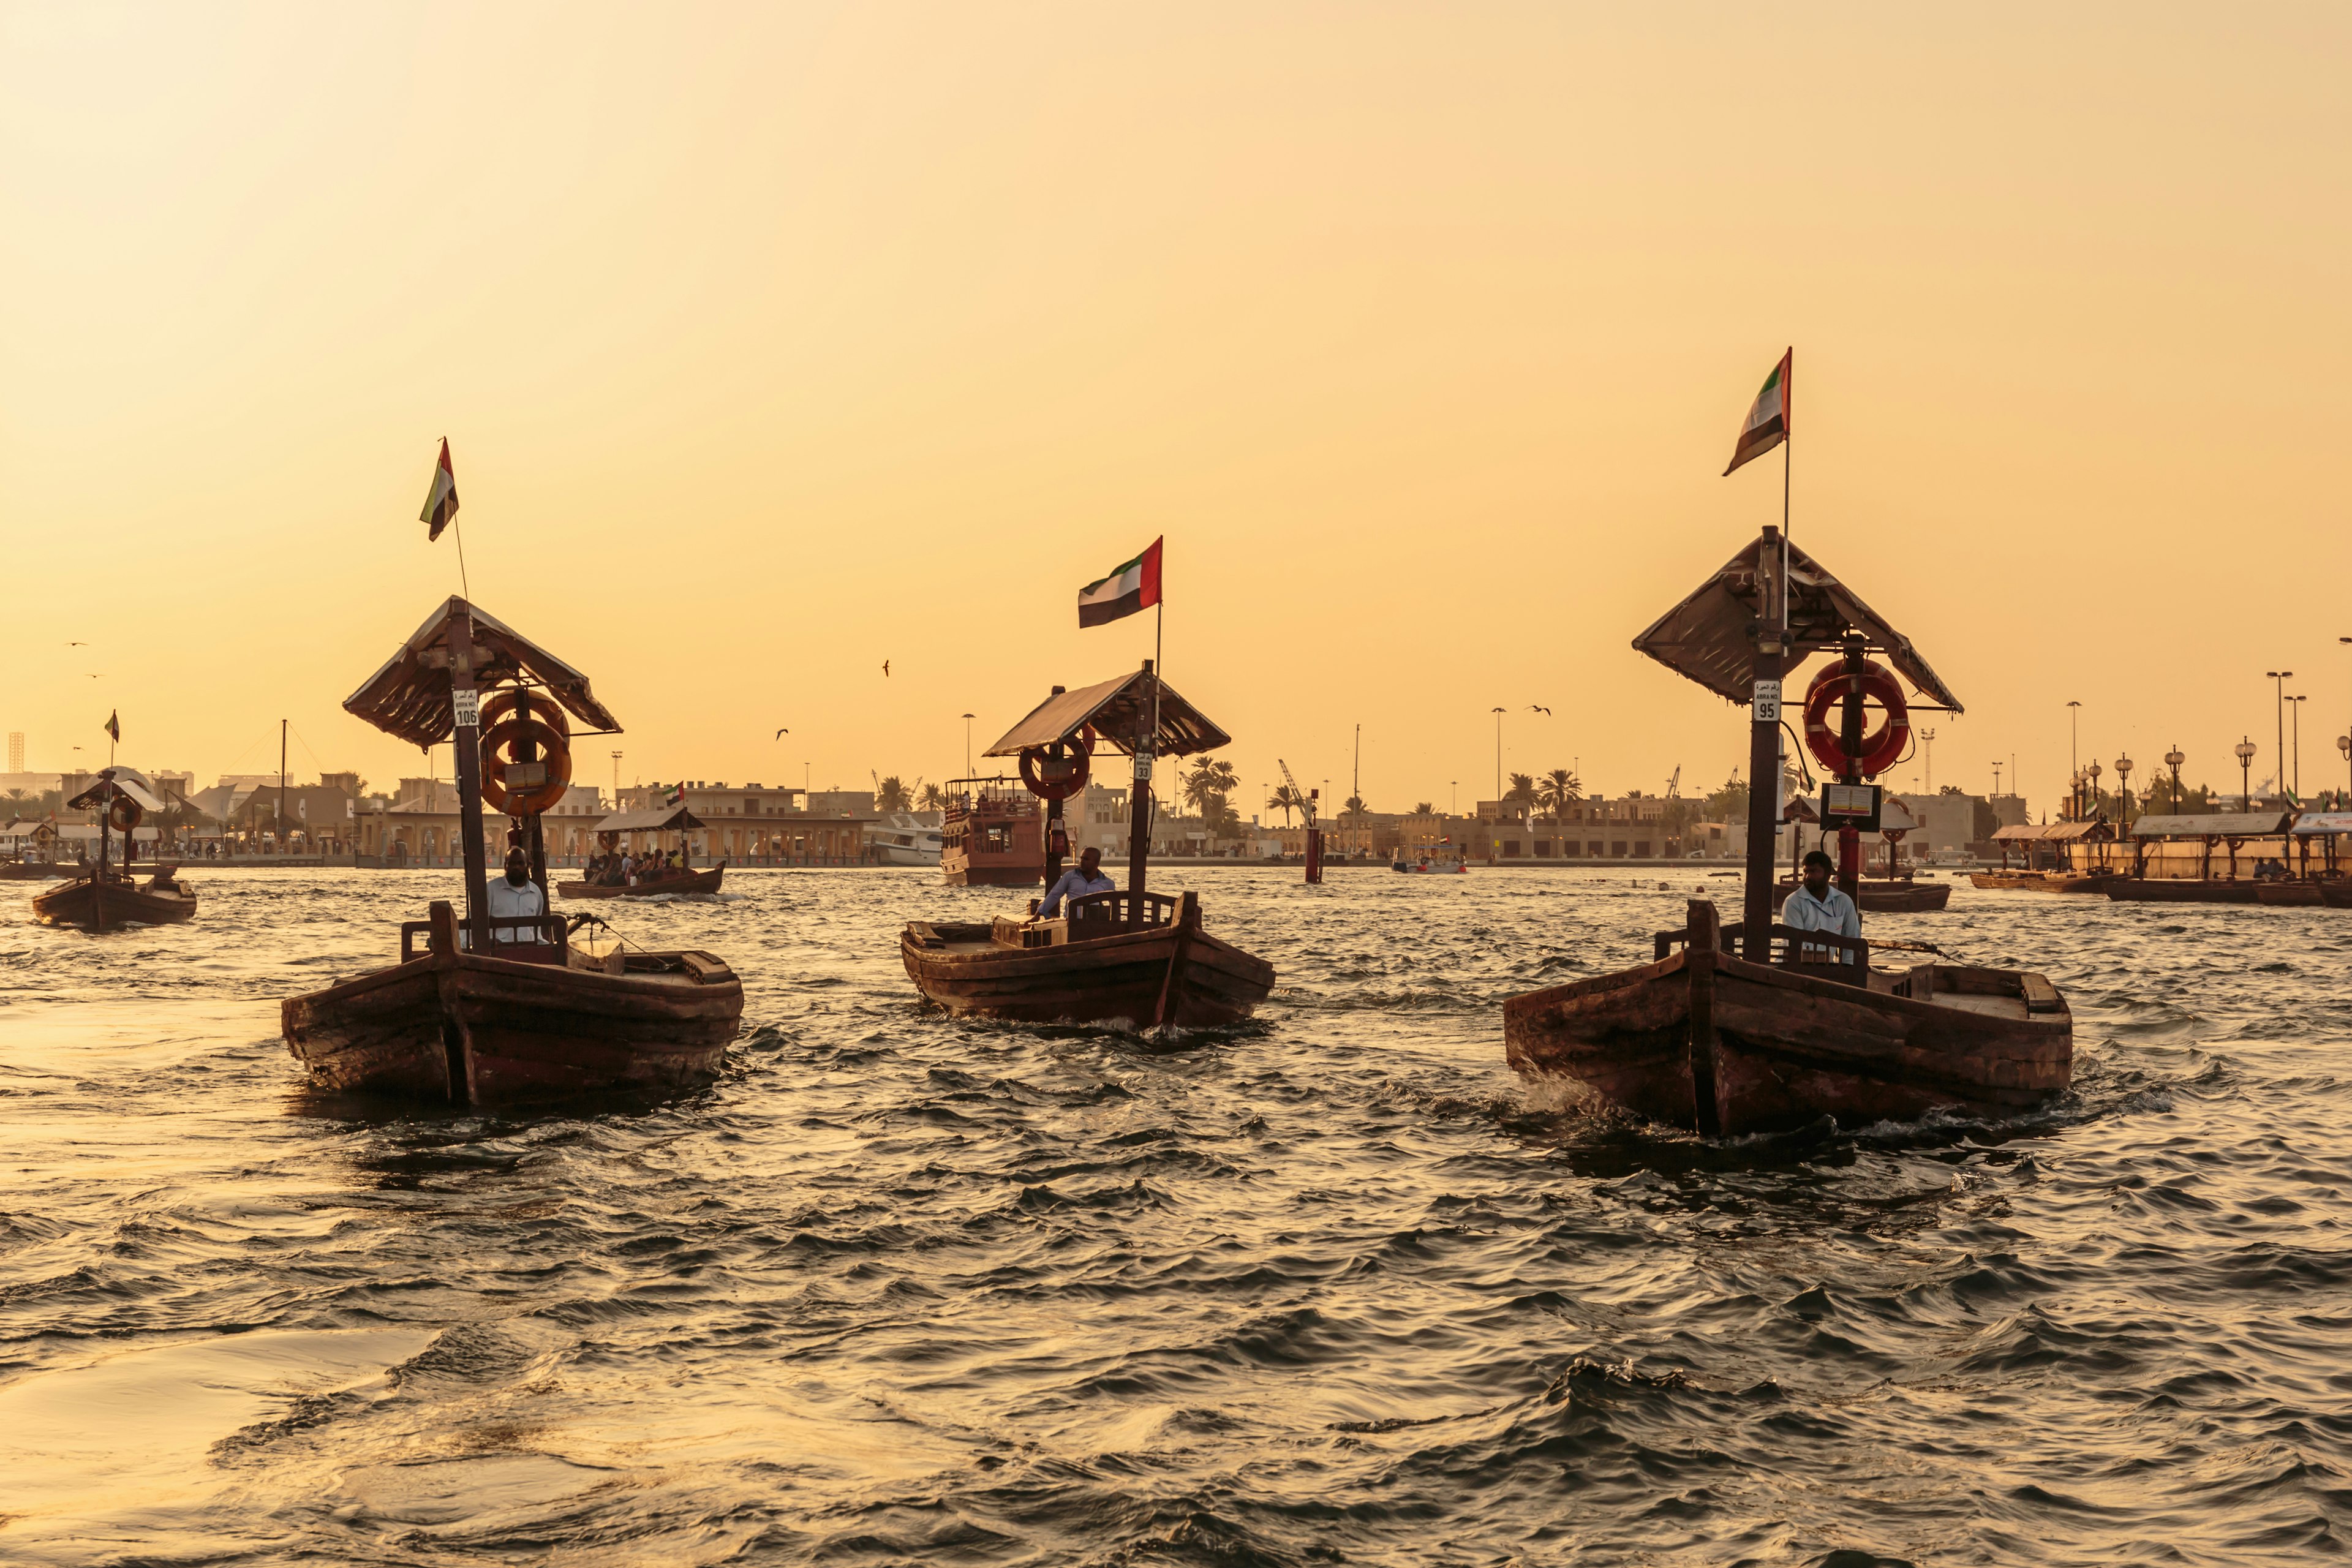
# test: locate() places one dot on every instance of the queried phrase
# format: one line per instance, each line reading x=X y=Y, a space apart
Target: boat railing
x=1124 y=911
x=553 y=931
x=1788 y=943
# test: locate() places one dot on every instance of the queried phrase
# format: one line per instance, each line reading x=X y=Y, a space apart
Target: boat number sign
x=466 y=707
x=1143 y=765
x=1768 y=702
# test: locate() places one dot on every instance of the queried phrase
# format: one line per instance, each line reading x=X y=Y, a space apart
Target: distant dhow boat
x=1133 y=954
x=482 y=1009
x=103 y=899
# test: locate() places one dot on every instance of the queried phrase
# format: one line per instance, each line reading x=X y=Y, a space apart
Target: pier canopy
x=1118 y=711
x=2096 y=830
x=118 y=780
x=1710 y=636
x=2313 y=824
x=409 y=697
x=2229 y=824
x=660 y=819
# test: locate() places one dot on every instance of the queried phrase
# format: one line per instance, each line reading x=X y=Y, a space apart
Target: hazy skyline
x=774 y=343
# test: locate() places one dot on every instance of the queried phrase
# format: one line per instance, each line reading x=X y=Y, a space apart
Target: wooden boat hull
x=92 y=905
x=691 y=882
x=1784 y=1049
x=2011 y=881
x=2179 y=890
x=486 y=1031
x=1886 y=898
x=2291 y=894
x=33 y=871
x=1175 y=974
x=2336 y=895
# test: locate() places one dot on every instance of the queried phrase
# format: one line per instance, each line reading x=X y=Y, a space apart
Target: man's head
x=1090 y=860
x=1817 y=867
x=517 y=867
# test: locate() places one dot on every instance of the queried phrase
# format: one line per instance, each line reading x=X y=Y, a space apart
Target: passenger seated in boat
x=1085 y=877
x=514 y=896
x=1815 y=905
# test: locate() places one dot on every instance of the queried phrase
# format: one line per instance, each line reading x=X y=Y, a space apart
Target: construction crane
x=1674 y=784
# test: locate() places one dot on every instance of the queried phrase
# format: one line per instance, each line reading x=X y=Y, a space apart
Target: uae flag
x=1767 y=421
x=675 y=796
x=441 y=502
x=113 y=728
x=1128 y=588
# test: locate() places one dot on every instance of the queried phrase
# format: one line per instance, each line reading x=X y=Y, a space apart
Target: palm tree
x=1559 y=790
x=1286 y=801
x=1425 y=808
x=1522 y=791
x=1209 y=778
x=933 y=797
x=1356 y=806
x=890 y=794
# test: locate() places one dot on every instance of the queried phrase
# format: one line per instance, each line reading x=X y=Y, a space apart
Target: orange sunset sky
x=775 y=342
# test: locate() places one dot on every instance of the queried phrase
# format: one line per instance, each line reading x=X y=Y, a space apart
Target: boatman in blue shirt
x=1817 y=906
x=1085 y=877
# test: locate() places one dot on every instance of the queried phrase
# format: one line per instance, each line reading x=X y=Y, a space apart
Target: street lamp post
x=2279 y=678
x=2245 y=750
x=2343 y=744
x=2123 y=790
x=1498 y=759
x=2296 y=751
x=2091 y=806
x=2073 y=751
x=2173 y=758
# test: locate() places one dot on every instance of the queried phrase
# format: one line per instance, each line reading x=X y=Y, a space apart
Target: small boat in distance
x=649 y=881
x=1444 y=861
x=33 y=852
x=994 y=835
x=1884 y=896
x=105 y=899
x=496 y=1010
x=1130 y=954
x=902 y=838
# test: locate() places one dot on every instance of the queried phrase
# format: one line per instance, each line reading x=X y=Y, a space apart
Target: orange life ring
x=122 y=812
x=500 y=742
x=1879 y=749
x=1033 y=761
x=545 y=708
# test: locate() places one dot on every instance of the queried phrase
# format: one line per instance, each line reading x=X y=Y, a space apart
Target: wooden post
x=464 y=701
x=1057 y=838
x=1139 y=805
x=1850 y=740
x=1764 y=748
x=1699 y=957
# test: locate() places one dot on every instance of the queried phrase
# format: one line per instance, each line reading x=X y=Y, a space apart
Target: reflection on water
x=1334 y=1287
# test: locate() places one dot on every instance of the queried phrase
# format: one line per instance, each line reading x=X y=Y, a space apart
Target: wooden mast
x=466 y=709
x=1139 y=801
x=1850 y=740
x=527 y=751
x=1764 y=747
x=1057 y=838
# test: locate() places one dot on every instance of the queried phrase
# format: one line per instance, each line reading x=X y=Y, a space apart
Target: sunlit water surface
x=1333 y=1287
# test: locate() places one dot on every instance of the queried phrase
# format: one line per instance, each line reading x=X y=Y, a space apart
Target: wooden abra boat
x=1730 y=1040
x=1702 y=1038
x=2011 y=881
x=500 y=1006
x=1131 y=955
x=1102 y=963
x=524 y=1021
x=2290 y=894
x=103 y=899
x=1891 y=897
x=2179 y=890
x=658 y=822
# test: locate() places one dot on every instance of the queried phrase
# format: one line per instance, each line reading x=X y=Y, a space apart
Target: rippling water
x=1333 y=1287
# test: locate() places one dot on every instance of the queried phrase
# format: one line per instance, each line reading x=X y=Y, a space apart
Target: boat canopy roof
x=660 y=819
x=409 y=697
x=1708 y=636
x=41 y=829
x=120 y=780
x=2317 y=821
x=2096 y=830
x=2233 y=824
x=1117 y=711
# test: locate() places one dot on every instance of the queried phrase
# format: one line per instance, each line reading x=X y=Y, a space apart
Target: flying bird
x=76 y=644
x=1538 y=708
x=886 y=669
x=781 y=733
